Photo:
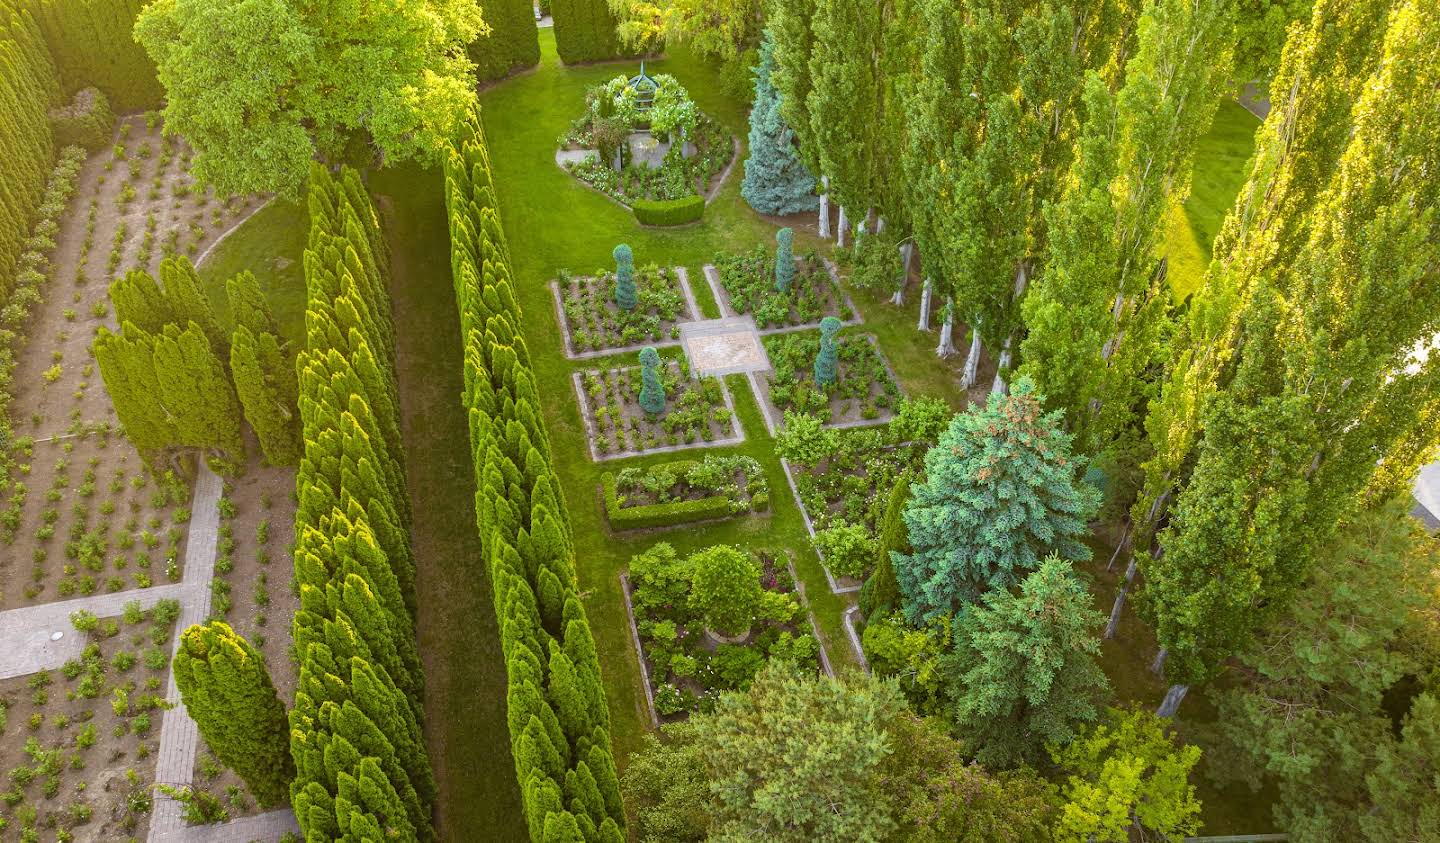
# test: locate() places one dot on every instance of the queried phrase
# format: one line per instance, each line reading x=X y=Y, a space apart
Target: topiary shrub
x=652 y=390
x=664 y=212
x=725 y=589
x=825 y=358
x=86 y=121
x=784 y=259
x=624 y=277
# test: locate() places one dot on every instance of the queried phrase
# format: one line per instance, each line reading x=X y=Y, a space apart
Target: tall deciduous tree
x=844 y=95
x=776 y=179
x=259 y=87
x=1023 y=672
x=719 y=31
x=227 y=691
x=999 y=494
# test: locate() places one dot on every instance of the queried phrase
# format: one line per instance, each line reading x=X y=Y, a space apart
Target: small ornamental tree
x=1127 y=773
x=776 y=179
x=805 y=439
x=825 y=359
x=624 y=277
x=652 y=389
x=725 y=588
x=228 y=692
x=784 y=259
x=1000 y=492
x=1023 y=672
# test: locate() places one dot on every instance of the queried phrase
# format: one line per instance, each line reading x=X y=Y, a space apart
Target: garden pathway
x=26 y=645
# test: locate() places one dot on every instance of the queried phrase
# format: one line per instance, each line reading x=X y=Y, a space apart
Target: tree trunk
x=1173 y=697
x=906 y=250
x=825 y=208
x=1003 y=366
x=1124 y=537
x=972 y=360
x=924 y=323
x=1157 y=666
x=1114 y=624
x=947 y=335
x=840 y=228
x=880 y=226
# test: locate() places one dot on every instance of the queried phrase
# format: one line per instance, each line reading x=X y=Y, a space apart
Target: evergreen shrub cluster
x=93 y=43
x=361 y=769
x=557 y=715
x=585 y=31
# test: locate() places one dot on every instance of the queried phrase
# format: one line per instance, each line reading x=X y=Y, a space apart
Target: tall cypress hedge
x=585 y=31
x=92 y=43
x=513 y=42
x=28 y=89
x=556 y=711
x=361 y=769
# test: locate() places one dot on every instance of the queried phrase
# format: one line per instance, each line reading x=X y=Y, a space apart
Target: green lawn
x=268 y=244
x=552 y=221
x=1219 y=173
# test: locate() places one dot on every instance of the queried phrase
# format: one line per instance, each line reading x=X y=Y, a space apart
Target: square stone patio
x=724 y=346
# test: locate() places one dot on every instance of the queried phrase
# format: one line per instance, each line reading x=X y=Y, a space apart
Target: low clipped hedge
x=669 y=211
x=676 y=512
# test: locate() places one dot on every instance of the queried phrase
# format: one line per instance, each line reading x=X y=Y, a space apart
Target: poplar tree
x=843 y=96
x=1023 y=671
x=776 y=178
x=999 y=494
x=228 y=693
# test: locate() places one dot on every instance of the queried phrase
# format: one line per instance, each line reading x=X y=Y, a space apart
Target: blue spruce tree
x=652 y=388
x=784 y=259
x=776 y=181
x=625 y=295
x=825 y=360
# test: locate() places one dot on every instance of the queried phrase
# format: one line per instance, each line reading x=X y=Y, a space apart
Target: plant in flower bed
x=708 y=622
x=749 y=281
x=843 y=476
x=695 y=409
x=863 y=387
x=596 y=322
x=684 y=490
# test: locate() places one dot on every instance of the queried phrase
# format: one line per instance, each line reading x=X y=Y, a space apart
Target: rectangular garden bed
x=843 y=498
x=683 y=664
x=593 y=325
x=745 y=284
x=699 y=412
x=683 y=492
x=865 y=392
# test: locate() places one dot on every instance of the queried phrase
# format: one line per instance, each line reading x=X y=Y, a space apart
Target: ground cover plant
x=863 y=388
x=748 y=284
x=79 y=742
x=708 y=622
x=695 y=411
x=677 y=492
x=595 y=322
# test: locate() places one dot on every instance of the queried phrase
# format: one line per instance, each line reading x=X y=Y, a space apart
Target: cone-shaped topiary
x=228 y=692
x=652 y=389
x=784 y=259
x=624 y=277
x=825 y=363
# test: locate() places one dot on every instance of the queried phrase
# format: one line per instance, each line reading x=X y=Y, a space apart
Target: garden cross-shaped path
x=27 y=646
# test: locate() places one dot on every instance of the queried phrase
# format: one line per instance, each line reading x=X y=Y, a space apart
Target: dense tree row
x=28 y=88
x=264 y=379
x=512 y=43
x=585 y=31
x=558 y=719
x=361 y=768
x=93 y=43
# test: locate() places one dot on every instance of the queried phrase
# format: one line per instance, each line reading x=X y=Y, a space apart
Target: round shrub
x=725 y=589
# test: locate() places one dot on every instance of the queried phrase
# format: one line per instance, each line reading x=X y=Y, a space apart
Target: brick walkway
x=25 y=645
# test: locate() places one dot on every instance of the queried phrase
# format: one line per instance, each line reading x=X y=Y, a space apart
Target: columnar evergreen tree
x=776 y=179
x=585 y=30
x=784 y=259
x=248 y=307
x=999 y=494
x=266 y=386
x=652 y=389
x=1023 y=672
x=28 y=89
x=513 y=42
x=1316 y=387
x=355 y=729
x=880 y=594
x=558 y=720
x=826 y=358
x=93 y=43
x=624 y=277
x=228 y=693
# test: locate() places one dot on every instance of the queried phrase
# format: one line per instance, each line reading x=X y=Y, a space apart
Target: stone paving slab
x=268 y=828
x=726 y=346
x=25 y=645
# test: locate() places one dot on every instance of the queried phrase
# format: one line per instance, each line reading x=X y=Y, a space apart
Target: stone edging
x=586 y=417
x=725 y=174
x=681 y=275
x=231 y=230
x=639 y=651
x=849 y=620
x=814 y=627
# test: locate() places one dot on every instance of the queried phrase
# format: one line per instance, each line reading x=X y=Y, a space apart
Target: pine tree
x=826 y=358
x=227 y=691
x=624 y=277
x=776 y=179
x=1000 y=493
x=1024 y=672
x=784 y=259
x=652 y=390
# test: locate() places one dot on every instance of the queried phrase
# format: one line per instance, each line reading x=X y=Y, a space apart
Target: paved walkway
x=25 y=634
x=267 y=827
